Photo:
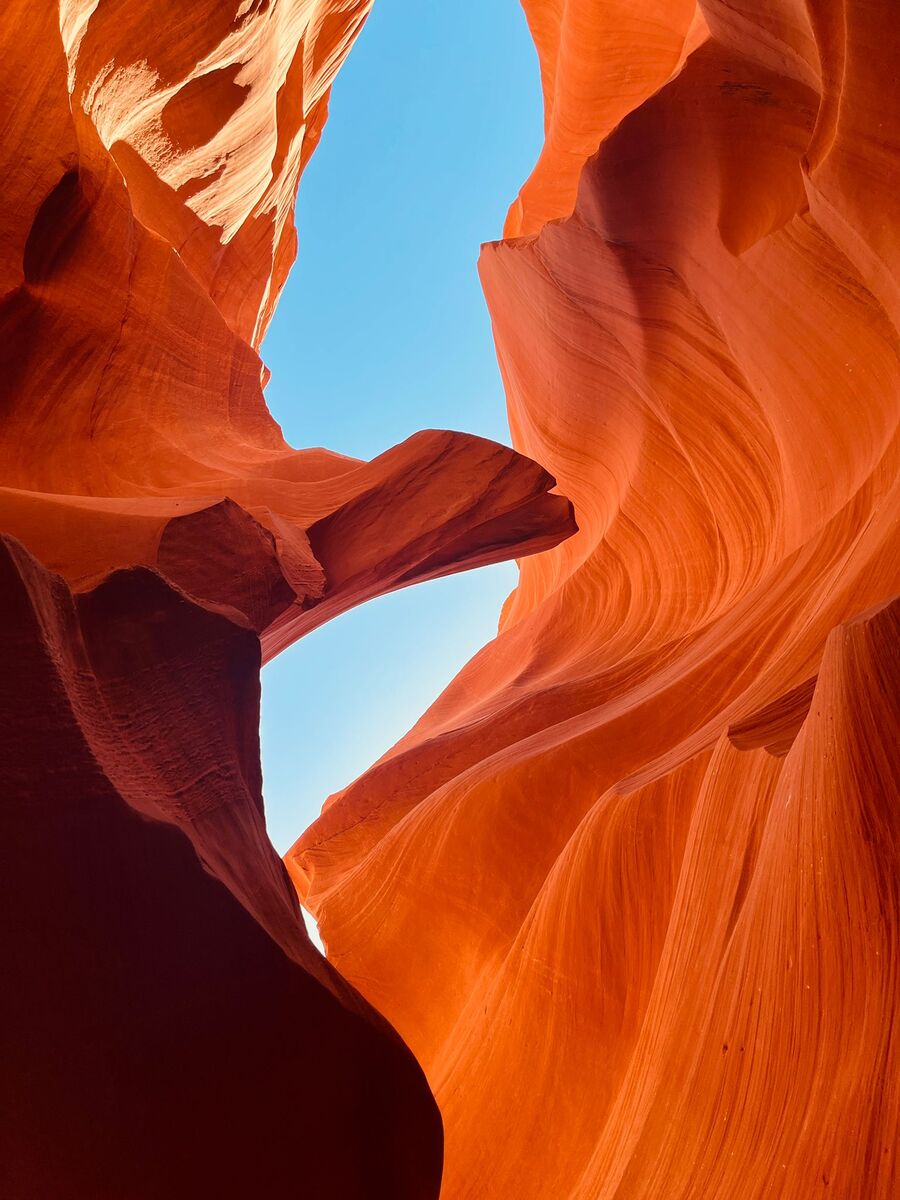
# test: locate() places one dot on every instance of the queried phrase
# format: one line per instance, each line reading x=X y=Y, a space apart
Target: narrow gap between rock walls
x=382 y=330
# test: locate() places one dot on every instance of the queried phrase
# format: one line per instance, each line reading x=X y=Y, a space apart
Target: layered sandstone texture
x=167 y=1028
x=629 y=889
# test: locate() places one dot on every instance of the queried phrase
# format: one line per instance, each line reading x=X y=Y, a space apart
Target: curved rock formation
x=629 y=889
x=134 y=400
x=170 y=1030
x=645 y=846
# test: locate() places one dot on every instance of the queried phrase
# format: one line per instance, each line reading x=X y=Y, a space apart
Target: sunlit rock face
x=629 y=888
x=168 y=1029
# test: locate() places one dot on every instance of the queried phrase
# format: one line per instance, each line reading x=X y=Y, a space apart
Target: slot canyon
x=619 y=917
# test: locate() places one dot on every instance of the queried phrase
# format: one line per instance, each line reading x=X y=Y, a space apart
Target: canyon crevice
x=618 y=918
x=646 y=845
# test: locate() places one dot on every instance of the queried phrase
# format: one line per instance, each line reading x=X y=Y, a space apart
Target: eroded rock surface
x=169 y=1029
x=646 y=844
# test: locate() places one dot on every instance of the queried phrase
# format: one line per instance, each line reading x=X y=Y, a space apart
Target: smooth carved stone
x=645 y=845
x=169 y=1029
x=775 y=725
x=628 y=889
x=222 y=555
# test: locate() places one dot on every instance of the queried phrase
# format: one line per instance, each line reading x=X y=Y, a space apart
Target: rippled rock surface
x=629 y=889
x=168 y=1028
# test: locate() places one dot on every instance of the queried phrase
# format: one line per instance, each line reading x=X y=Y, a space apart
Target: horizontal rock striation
x=645 y=846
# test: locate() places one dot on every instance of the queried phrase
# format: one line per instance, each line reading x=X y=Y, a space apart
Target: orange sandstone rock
x=133 y=389
x=169 y=1029
x=598 y=62
x=645 y=845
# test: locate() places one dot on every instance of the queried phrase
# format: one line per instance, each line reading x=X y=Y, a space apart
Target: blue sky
x=382 y=329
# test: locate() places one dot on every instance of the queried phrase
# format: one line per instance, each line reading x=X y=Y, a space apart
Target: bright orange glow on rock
x=169 y=1030
x=628 y=891
x=629 y=888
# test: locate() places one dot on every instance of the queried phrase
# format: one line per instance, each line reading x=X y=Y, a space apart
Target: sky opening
x=382 y=330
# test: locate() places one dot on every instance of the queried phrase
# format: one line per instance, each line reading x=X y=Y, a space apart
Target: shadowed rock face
x=646 y=844
x=169 y=1030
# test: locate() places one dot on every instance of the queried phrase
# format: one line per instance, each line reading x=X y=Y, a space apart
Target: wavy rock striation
x=171 y=1031
x=645 y=846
